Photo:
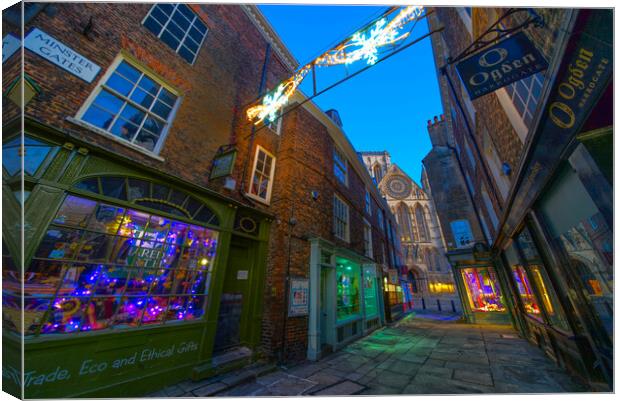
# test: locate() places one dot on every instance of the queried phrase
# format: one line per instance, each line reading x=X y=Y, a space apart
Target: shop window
x=566 y=209
x=441 y=288
x=262 y=176
x=462 y=232
x=132 y=105
x=341 y=219
x=370 y=292
x=540 y=278
x=340 y=166
x=178 y=27
x=483 y=290
x=101 y=266
x=154 y=196
x=395 y=292
x=347 y=289
x=35 y=152
x=522 y=282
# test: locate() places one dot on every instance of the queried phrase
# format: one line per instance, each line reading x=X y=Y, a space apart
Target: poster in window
x=298 y=297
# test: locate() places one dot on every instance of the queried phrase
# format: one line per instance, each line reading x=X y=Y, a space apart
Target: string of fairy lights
x=365 y=44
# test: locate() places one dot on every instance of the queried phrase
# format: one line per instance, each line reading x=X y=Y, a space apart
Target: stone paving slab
x=416 y=356
x=346 y=387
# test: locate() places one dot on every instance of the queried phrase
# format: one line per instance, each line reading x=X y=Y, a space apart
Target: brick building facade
x=156 y=217
x=534 y=171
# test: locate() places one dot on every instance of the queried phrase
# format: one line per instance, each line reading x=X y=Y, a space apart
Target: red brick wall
x=305 y=164
x=224 y=79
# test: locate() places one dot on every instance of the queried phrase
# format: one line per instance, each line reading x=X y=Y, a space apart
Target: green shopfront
x=132 y=280
x=345 y=298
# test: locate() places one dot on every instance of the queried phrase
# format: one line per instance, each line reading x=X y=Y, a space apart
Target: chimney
x=333 y=114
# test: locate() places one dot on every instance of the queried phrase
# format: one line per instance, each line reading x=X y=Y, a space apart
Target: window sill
x=106 y=134
x=257 y=198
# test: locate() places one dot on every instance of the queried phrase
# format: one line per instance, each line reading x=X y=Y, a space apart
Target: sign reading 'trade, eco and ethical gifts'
x=60 y=54
x=508 y=61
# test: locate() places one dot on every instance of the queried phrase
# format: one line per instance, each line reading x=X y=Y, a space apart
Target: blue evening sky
x=383 y=108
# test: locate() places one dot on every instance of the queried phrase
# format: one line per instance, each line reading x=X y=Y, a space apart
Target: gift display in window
x=483 y=290
x=525 y=291
x=370 y=293
x=100 y=266
x=348 y=289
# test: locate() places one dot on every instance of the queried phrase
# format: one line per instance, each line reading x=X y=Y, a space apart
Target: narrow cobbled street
x=419 y=355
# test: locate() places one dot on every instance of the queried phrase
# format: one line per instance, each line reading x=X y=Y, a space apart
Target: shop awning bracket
x=496 y=32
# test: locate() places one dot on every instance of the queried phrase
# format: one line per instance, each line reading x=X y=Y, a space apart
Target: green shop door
x=234 y=303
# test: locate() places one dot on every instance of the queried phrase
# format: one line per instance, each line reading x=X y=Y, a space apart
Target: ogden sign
x=510 y=60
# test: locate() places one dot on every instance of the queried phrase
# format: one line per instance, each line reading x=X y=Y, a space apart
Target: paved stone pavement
x=415 y=356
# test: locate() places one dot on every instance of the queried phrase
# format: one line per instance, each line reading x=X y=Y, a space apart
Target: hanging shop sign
x=298 y=297
x=584 y=75
x=510 y=60
x=223 y=162
x=60 y=54
x=10 y=44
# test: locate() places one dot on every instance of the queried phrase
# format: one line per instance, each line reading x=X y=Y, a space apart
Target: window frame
x=341 y=163
x=368 y=239
x=368 y=203
x=270 y=179
x=100 y=86
x=347 y=221
x=186 y=33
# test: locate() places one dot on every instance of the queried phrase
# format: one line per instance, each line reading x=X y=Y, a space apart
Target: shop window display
x=395 y=292
x=525 y=291
x=101 y=266
x=541 y=280
x=568 y=209
x=370 y=292
x=348 y=289
x=483 y=290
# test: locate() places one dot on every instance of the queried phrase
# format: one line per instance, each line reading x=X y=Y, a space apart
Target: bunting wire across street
x=392 y=28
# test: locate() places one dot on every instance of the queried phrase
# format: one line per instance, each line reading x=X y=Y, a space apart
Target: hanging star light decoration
x=362 y=45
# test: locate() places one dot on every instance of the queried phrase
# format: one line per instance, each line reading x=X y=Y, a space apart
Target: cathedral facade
x=430 y=277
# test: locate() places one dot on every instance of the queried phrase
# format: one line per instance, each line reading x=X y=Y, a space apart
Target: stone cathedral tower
x=424 y=248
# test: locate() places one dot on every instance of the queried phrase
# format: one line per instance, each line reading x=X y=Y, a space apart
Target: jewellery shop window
x=522 y=282
x=370 y=292
x=347 y=289
x=540 y=278
x=483 y=290
x=101 y=266
x=582 y=236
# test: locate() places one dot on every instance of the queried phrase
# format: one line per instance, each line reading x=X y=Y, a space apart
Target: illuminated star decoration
x=363 y=45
